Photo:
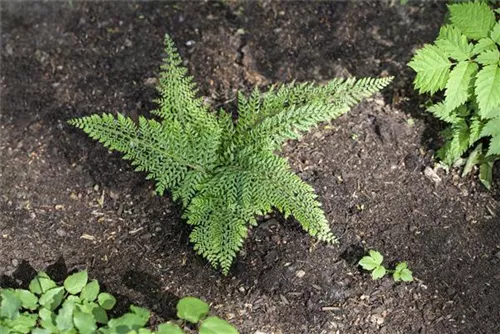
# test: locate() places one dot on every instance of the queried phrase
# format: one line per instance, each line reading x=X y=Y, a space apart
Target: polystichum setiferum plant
x=227 y=172
x=464 y=61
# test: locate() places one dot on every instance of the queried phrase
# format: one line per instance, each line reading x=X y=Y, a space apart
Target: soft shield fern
x=464 y=61
x=226 y=172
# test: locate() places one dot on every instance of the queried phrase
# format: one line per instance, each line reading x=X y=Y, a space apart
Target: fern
x=226 y=172
x=464 y=61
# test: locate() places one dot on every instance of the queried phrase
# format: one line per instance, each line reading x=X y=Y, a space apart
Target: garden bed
x=68 y=204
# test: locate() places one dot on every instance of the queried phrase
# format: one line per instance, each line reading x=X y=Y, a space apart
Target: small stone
x=432 y=175
x=190 y=43
x=377 y=319
x=15 y=263
x=300 y=273
x=128 y=43
x=60 y=232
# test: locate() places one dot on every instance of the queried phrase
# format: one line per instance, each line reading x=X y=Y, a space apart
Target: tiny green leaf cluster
x=373 y=263
x=80 y=307
x=227 y=172
x=464 y=61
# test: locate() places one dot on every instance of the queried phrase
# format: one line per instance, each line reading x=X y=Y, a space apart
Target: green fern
x=464 y=61
x=226 y=172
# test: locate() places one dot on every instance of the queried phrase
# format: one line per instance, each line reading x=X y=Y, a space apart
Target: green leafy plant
x=464 y=61
x=226 y=172
x=373 y=263
x=79 y=307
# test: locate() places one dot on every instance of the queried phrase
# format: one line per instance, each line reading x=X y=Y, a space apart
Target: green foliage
x=464 y=61
x=226 y=172
x=47 y=308
x=373 y=263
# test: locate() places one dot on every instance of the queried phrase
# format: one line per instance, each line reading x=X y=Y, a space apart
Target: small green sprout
x=373 y=263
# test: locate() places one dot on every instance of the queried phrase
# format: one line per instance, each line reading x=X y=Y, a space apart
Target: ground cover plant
x=226 y=172
x=373 y=262
x=80 y=307
x=464 y=61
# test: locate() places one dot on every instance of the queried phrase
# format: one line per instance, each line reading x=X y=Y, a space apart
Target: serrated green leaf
x=495 y=33
x=492 y=128
x=484 y=44
x=75 y=283
x=474 y=19
x=28 y=299
x=169 y=328
x=432 y=67
x=459 y=142
x=488 y=90
x=52 y=298
x=454 y=43
x=84 y=322
x=192 y=309
x=379 y=272
x=90 y=291
x=216 y=325
x=457 y=87
x=486 y=174
x=440 y=111
x=106 y=300
x=376 y=256
x=475 y=128
x=9 y=304
x=41 y=283
x=489 y=57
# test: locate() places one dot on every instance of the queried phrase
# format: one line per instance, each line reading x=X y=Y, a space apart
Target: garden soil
x=68 y=204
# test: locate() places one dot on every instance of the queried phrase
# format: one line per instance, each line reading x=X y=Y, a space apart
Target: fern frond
x=226 y=172
x=291 y=111
x=161 y=149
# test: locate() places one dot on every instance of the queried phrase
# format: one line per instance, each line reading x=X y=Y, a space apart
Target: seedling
x=373 y=263
x=79 y=307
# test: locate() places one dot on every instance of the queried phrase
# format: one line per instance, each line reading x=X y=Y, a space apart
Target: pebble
x=300 y=273
x=60 y=232
x=14 y=262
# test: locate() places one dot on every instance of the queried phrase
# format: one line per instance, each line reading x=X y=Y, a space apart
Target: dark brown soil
x=68 y=204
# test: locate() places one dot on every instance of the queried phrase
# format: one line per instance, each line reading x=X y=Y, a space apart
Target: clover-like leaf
x=75 y=283
x=402 y=273
x=169 y=328
x=41 y=283
x=52 y=298
x=90 y=291
x=106 y=300
x=9 y=304
x=216 y=325
x=84 y=322
x=372 y=261
x=379 y=272
x=28 y=299
x=192 y=309
x=48 y=320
